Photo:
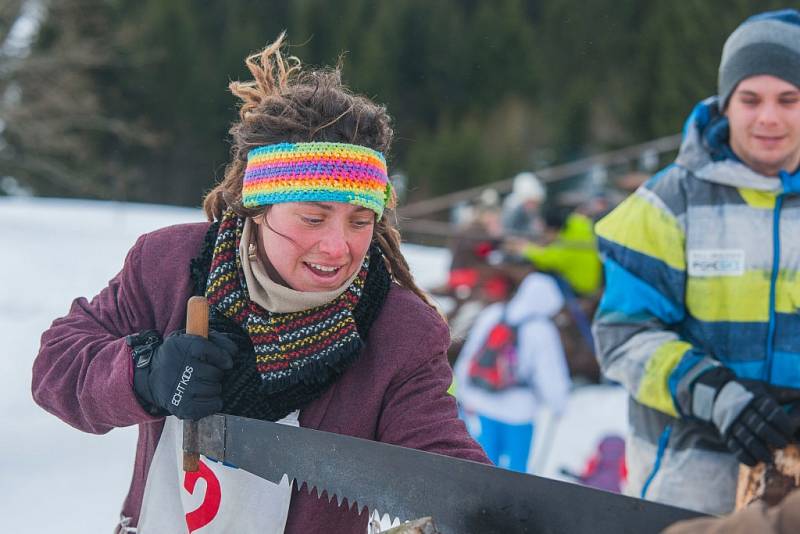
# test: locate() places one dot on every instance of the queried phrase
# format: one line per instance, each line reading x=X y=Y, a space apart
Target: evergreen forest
x=116 y=99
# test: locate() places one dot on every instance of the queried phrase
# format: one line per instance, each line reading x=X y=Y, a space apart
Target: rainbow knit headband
x=316 y=172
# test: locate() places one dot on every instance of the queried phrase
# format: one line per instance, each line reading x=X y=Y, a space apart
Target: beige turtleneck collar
x=270 y=295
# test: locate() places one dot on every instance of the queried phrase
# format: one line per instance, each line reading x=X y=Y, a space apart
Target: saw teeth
x=309 y=489
x=332 y=496
x=386 y=520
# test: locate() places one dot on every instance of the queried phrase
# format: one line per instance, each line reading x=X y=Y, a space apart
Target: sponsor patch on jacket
x=716 y=262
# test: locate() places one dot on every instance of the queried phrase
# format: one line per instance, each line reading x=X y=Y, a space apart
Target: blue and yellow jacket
x=702 y=266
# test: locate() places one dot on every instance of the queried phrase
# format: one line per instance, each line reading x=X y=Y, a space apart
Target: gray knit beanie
x=767 y=43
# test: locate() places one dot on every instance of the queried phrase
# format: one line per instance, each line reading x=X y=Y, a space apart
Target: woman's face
x=315 y=246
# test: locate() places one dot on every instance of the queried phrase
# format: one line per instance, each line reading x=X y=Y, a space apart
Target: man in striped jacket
x=700 y=319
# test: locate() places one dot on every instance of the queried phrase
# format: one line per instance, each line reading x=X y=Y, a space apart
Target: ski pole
x=196 y=324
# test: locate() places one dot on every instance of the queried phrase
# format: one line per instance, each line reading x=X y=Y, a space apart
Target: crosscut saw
x=462 y=496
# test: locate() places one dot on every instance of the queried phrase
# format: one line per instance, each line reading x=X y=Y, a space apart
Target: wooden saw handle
x=196 y=324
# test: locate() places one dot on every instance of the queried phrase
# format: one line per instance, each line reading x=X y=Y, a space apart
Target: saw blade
x=462 y=496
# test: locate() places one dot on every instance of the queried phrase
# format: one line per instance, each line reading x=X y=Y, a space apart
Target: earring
x=251 y=252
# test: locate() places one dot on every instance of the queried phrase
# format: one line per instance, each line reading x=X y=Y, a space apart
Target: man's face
x=764 y=116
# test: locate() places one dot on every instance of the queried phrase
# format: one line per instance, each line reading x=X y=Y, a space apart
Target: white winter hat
x=528 y=187
x=489 y=198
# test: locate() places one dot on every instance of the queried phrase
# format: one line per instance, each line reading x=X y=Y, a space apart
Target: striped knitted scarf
x=287 y=359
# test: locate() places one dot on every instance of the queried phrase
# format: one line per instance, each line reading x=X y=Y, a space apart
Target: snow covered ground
x=58 y=479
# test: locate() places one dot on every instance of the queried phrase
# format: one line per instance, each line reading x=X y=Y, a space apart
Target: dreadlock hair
x=285 y=103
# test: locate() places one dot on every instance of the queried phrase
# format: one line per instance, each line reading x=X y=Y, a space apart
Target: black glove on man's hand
x=748 y=418
x=183 y=374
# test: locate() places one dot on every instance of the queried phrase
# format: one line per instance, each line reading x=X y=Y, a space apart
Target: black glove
x=748 y=417
x=183 y=374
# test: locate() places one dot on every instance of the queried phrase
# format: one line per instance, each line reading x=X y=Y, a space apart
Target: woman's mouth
x=324 y=271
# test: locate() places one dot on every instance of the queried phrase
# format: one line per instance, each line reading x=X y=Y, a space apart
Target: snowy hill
x=57 y=479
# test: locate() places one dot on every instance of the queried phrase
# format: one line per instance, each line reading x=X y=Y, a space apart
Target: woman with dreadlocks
x=315 y=321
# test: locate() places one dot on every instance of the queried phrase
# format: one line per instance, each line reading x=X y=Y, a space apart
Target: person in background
x=521 y=207
x=511 y=365
x=699 y=320
x=477 y=235
x=570 y=256
x=316 y=319
x=570 y=251
x=474 y=279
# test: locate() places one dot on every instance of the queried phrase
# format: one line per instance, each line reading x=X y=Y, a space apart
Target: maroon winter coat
x=395 y=392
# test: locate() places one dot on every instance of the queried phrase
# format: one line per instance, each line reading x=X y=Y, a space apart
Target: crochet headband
x=316 y=172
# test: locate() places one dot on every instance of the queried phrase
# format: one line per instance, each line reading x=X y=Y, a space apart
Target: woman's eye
x=313 y=221
x=363 y=223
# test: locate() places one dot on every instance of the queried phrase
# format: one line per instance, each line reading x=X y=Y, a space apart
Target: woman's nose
x=334 y=242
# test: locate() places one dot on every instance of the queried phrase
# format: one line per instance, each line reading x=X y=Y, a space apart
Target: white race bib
x=216 y=499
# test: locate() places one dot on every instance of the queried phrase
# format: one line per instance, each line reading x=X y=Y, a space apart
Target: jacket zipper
x=776 y=260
